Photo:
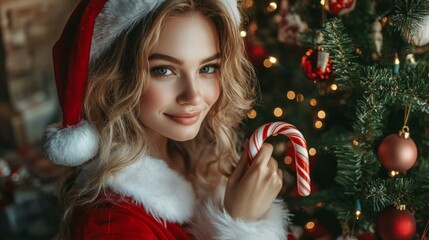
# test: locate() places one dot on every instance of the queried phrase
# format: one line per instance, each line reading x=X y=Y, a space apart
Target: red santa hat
x=90 y=30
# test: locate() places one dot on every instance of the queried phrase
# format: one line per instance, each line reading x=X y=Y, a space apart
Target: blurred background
x=28 y=103
x=351 y=75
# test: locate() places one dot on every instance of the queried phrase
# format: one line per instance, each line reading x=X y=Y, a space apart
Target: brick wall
x=28 y=29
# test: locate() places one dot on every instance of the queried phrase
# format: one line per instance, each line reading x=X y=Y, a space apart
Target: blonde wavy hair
x=116 y=83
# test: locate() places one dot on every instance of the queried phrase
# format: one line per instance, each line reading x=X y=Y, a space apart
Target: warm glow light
x=310 y=225
x=318 y=124
x=291 y=95
x=358 y=213
x=273 y=60
x=322 y=2
x=393 y=173
x=268 y=63
x=319 y=204
x=321 y=114
x=355 y=143
x=272 y=7
x=243 y=33
x=252 y=114
x=334 y=87
x=397 y=59
x=248 y=3
x=358 y=51
x=300 y=98
x=313 y=102
x=288 y=160
x=312 y=151
x=278 y=112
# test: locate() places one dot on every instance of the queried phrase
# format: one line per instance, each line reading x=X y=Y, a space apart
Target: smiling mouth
x=185 y=119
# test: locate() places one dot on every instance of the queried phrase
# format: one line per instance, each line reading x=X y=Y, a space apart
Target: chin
x=185 y=136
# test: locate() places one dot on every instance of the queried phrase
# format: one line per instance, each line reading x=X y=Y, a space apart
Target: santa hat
x=91 y=29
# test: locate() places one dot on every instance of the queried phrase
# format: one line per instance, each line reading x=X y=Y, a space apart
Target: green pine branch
x=408 y=15
x=340 y=46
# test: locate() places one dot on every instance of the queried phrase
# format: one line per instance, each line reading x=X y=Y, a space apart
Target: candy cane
x=299 y=145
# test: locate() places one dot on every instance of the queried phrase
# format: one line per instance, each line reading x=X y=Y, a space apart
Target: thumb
x=241 y=167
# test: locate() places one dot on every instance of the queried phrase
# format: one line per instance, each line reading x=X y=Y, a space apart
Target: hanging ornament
x=256 y=52
x=291 y=26
x=341 y=7
x=398 y=152
x=419 y=36
x=377 y=37
x=396 y=223
x=317 y=65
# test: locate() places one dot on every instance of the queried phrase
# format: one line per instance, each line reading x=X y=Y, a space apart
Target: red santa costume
x=147 y=199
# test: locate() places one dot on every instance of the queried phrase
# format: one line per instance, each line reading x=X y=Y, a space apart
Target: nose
x=190 y=92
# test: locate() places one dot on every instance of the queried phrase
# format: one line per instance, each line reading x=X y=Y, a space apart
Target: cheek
x=152 y=98
x=212 y=93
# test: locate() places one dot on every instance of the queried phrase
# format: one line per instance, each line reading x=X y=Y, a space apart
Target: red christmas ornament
x=396 y=224
x=291 y=27
x=366 y=236
x=256 y=53
x=398 y=152
x=341 y=7
x=317 y=65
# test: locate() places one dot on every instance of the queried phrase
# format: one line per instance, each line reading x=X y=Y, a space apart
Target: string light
x=312 y=151
x=318 y=124
x=268 y=63
x=334 y=87
x=355 y=142
x=252 y=114
x=243 y=33
x=291 y=95
x=288 y=160
x=313 y=102
x=358 y=209
x=278 y=112
x=310 y=225
x=393 y=173
x=272 y=7
x=396 y=64
x=273 y=60
x=321 y=114
x=248 y=3
x=300 y=98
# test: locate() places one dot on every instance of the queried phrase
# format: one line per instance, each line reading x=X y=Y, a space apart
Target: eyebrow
x=159 y=56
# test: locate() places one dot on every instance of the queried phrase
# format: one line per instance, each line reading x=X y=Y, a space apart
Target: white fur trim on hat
x=71 y=146
x=118 y=15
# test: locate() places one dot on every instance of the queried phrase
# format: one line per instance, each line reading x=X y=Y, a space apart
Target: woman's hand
x=252 y=189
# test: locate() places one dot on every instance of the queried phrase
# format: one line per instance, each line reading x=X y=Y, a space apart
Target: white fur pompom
x=71 y=146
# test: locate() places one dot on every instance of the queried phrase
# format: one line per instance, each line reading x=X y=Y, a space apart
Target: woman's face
x=184 y=78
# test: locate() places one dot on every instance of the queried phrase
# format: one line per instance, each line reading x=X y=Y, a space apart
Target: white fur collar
x=165 y=194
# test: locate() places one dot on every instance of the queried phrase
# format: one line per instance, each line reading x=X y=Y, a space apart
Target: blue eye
x=162 y=71
x=209 y=69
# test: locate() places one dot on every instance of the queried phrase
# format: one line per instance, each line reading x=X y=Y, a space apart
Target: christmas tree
x=353 y=77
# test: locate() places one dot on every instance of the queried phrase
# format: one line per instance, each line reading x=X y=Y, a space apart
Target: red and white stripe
x=299 y=145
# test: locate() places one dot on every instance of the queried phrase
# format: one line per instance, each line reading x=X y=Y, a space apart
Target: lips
x=185 y=118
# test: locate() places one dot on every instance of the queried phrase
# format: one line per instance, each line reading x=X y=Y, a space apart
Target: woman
x=163 y=86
